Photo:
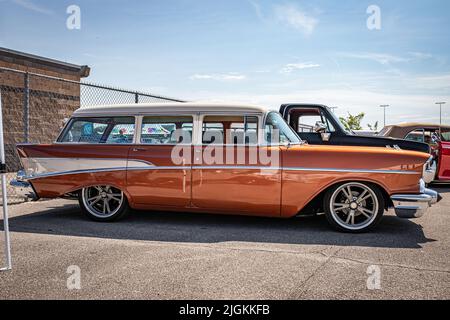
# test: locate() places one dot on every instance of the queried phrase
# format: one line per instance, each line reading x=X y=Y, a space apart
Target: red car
x=438 y=137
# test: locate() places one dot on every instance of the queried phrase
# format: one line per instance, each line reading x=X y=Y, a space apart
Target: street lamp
x=384 y=106
x=440 y=111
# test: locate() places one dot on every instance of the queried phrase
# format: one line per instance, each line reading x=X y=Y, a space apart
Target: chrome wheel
x=102 y=201
x=354 y=206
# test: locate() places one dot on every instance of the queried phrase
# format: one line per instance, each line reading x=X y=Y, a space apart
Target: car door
x=156 y=175
x=228 y=175
x=444 y=161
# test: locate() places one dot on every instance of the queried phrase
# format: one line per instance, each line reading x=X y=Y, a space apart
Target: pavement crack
x=304 y=284
x=393 y=265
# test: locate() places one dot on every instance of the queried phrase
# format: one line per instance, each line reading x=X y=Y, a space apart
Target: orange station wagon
x=223 y=159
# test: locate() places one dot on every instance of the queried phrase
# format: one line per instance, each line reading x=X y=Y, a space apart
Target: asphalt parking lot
x=188 y=256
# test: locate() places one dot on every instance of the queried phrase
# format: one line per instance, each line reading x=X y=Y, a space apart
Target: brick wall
x=50 y=102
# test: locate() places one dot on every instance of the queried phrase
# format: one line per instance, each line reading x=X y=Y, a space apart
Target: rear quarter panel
x=68 y=155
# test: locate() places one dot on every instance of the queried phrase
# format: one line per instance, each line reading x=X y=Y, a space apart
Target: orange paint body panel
x=158 y=187
x=237 y=186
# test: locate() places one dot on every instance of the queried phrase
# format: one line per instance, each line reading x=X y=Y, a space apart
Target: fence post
x=4 y=194
x=136 y=97
x=26 y=107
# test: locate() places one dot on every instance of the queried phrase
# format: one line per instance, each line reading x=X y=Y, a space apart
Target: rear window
x=117 y=130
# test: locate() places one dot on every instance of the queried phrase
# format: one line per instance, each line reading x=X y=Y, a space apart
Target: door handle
x=139 y=149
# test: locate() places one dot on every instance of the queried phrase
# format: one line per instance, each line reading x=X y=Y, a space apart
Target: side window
x=236 y=130
x=116 y=130
x=305 y=120
x=166 y=130
x=122 y=132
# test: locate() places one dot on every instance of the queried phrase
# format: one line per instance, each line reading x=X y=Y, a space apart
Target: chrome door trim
x=352 y=170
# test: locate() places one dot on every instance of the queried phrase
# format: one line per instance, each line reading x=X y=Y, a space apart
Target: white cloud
x=387 y=59
x=293 y=17
x=219 y=77
x=432 y=82
x=290 y=67
x=381 y=58
x=421 y=55
x=29 y=5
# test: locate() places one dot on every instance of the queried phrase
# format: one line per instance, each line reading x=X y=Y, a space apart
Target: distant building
x=37 y=113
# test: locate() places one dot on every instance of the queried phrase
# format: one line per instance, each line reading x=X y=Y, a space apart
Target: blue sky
x=258 y=51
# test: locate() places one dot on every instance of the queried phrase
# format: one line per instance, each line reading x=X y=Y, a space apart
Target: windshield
x=278 y=131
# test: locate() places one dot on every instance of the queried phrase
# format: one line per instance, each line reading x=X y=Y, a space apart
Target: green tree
x=352 y=122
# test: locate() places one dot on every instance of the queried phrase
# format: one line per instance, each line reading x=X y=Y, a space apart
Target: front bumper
x=410 y=206
x=23 y=188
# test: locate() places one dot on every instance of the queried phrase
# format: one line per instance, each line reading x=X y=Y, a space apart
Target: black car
x=317 y=124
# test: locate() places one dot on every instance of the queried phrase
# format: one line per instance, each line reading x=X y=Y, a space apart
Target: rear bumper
x=410 y=206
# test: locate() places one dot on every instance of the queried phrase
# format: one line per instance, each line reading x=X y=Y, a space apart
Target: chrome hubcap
x=354 y=206
x=102 y=201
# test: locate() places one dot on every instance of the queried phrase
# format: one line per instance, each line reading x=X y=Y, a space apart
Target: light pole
x=440 y=111
x=384 y=106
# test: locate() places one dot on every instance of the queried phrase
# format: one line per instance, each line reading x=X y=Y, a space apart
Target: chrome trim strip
x=353 y=170
x=194 y=167
x=90 y=159
x=64 y=173
x=236 y=168
x=159 y=168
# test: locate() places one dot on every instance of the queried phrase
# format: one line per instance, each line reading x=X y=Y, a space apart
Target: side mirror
x=320 y=127
x=325 y=136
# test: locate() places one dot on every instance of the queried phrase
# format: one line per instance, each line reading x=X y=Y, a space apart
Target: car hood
x=392 y=142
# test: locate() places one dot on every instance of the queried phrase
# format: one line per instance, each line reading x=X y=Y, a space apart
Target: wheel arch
x=125 y=192
x=315 y=205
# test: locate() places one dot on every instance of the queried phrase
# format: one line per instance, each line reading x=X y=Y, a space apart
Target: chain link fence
x=35 y=107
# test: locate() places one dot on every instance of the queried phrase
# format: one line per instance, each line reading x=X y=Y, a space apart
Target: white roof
x=167 y=108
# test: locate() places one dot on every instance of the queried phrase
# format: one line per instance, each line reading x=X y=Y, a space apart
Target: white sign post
x=4 y=194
